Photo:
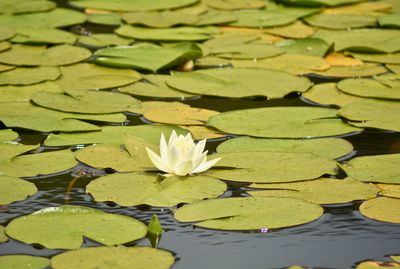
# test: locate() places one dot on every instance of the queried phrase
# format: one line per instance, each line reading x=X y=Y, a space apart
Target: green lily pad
x=311 y=3
x=238 y=82
x=90 y=102
x=104 y=18
x=38 y=164
x=215 y=17
x=389 y=190
x=394 y=68
x=113 y=135
x=377 y=168
x=6 y=32
x=29 y=75
x=320 y=191
x=23 y=6
x=341 y=21
x=150 y=190
x=104 y=40
x=15 y=189
x=325 y=147
x=4 y=67
x=389 y=58
x=247 y=51
x=151 y=105
x=3 y=236
x=160 y=19
x=290 y=63
x=7 y=135
x=147 y=56
x=5 y=45
x=375 y=8
x=377 y=265
x=10 y=150
x=308 y=46
x=262 y=18
x=228 y=39
x=249 y=213
x=294 y=30
x=382 y=209
x=85 y=76
x=369 y=88
x=154 y=86
x=328 y=94
x=271 y=167
x=118 y=257
x=34 y=35
x=373 y=113
x=390 y=20
x=365 y=70
x=40 y=55
x=58 y=17
x=234 y=4
x=168 y=34
x=64 y=226
x=283 y=122
x=23 y=261
x=363 y=40
x=129 y=5
x=180 y=115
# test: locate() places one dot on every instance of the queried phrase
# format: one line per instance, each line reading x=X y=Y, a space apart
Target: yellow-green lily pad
x=151 y=105
x=23 y=261
x=249 y=213
x=376 y=168
x=38 y=35
x=311 y=3
x=389 y=190
x=23 y=93
x=390 y=21
x=378 y=265
x=3 y=236
x=262 y=18
x=104 y=40
x=365 y=70
x=234 y=4
x=29 y=75
x=104 y=18
x=64 y=227
x=320 y=191
x=15 y=189
x=116 y=257
x=10 y=150
x=325 y=147
x=283 y=122
x=394 y=68
x=180 y=115
x=247 y=51
x=8 y=135
x=387 y=58
x=23 y=6
x=6 y=32
x=294 y=30
x=382 y=209
x=130 y=189
x=341 y=21
x=369 y=88
x=307 y=46
x=160 y=19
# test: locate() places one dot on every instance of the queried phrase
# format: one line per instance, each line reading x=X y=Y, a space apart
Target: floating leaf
x=11 y=150
x=15 y=189
x=365 y=8
x=29 y=75
x=320 y=191
x=247 y=51
x=147 y=56
x=38 y=164
x=391 y=20
x=180 y=115
x=328 y=94
x=238 y=82
x=382 y=209
x=4 y=67
x=365 y=70
x=325 y=147
x=58 y=17
x=7 y=135
x=23 y=261
x=339 y=59
x=104 y=40
x=377 y=168
x=104 y=18
x=37 y=35
x=23 y=6
x=373 y=113
x=5 y=45
x=65 y=226
x=294 y=30
x=229 y=39
x=271 y=167
x=214 y=17
x=40 y=55
x=3 y=236
x=369 y=88
x=283 y=122
x=377 y=265
x=310 y=3
x=118 y=257
x=308 y=46
x=113 y=135
x=341 y=21
x=389 y=190
x=6 y=32
x=150 y=190
x=262 y=18
x=154 y=86
x=90 y=102
x=234 y=4
x=85 y=76
x=201 y=132
x=151 y=105
x=394 y=68
x=249 y=213
x=160 y=19
x=169 y=34
x=129 y=5
x=390 y=58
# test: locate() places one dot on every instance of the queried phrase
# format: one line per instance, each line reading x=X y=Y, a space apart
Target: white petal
x=172 y=138
x=183 y=168
x=157 y=161
x=205 y=166
x=189 y=139
x=163 y=148
x=199 y=160
x=173 y=157
x=199 y=148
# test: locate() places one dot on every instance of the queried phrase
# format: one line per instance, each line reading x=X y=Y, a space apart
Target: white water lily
x=181 y=156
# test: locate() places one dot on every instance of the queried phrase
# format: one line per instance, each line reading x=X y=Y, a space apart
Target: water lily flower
x=181 y=156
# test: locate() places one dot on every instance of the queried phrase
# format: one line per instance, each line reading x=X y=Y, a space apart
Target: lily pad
x=382 y=209
x=129 y=5
x=284 y=122
x=23 y=261
x=373 y=113
x=294 y=30
x=234 y=4
x=37 y=35
x=377 y=265
x=8 y=135
x=104 y=18
x=215 y=17
x=85 y=76
x=365 y=70
x=271 y=167
x=6 y=32
x=90 y=102
x=3 y=236
x=340 y=59
x=64 y=227
x=389 y=58
x=377 y=168
x=394 y=68
x=113 y=135
x=389 y=190
x=341 y=21
x=369 y=88
x=311 y=3
x=328 y=94
x=376 y=8
x=58 y=17
x=249 y=213
x=104 y=40
x=118 y=257
x=320 y=191
x=23 y=6
x=147 y=56
x=160 y=19
x=10 y=150
x=168 y=34
x=238 y=82
x=325 y=147
x=262 y=18
x=150 y=190
x=4 y=45
x=151 y=105
x=390 y=20
x=308 y=46
x=15 y=189
x=200 y=132
x=4 y=67
x=38 y=164
x=154 y=86
x=29 y=75
x=180 y=115
x=247 y=51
